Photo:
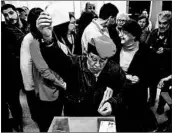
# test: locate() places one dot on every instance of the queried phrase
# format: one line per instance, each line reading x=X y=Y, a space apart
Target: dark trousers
x=10 y=95
x=5 y=121
x=138 y=116
x=47 y=110
x=10 y=91
x=32 y=102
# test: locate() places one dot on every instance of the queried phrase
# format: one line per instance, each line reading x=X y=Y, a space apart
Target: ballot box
x=83 y=124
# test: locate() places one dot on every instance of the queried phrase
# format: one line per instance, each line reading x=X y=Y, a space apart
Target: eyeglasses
x=123 y=32
x=121 y=20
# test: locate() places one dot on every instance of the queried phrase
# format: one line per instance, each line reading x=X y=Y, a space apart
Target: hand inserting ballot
x=106 y=109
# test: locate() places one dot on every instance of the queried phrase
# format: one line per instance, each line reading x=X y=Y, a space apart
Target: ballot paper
x=107 y=126
x=61 y=125
x=107 y=95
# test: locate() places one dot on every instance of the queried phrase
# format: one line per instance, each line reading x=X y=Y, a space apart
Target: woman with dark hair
x=43 y=86
x=84 y=20
x=143 y=22
x=133 y=58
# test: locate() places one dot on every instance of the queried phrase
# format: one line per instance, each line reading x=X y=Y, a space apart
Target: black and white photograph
x=86 y=66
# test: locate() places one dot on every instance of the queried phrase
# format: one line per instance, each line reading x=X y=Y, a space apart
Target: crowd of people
x=97 y=65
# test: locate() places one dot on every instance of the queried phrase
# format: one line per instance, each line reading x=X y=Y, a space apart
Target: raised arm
x=42 y=66
x=56 y=59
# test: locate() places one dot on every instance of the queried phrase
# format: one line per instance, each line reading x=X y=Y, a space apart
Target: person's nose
x=120 y=34
x=97 y=64
x=160 y=25
x=9 y=16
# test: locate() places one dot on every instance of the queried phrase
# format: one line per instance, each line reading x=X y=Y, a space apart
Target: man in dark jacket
x=87 y=77
x=160 y=42
x=13 y=32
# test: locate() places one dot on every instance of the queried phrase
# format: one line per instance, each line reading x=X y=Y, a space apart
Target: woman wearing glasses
x=120 y=20
x=133 y=58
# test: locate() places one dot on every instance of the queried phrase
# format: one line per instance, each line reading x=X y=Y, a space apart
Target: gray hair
x=119 y=15
x=165 y=15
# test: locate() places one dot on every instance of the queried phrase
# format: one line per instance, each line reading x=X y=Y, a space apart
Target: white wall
x=30 y=4
x=68 y=6
x=156 y=7
x=121 y=5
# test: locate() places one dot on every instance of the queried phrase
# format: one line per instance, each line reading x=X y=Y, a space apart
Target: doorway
x=136 y=8
x=167 y=5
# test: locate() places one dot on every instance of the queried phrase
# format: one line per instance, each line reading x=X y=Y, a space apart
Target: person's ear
x=134 y=38
x=88 y=55
x=109 y=19
x=18 y=13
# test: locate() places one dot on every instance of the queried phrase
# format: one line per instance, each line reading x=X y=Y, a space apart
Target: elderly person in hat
x=160 y=42
x=87 y=76
x=134 y=60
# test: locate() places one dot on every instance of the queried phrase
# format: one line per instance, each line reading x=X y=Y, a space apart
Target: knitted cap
x=105 y=46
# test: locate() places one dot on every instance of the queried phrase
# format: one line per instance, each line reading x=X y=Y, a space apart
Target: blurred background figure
x=145 y=13
x=143 y=22
x=26 y=9
x=90 y=7
x=22 y=13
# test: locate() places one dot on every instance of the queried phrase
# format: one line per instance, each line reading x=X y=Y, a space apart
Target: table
x=79 y=124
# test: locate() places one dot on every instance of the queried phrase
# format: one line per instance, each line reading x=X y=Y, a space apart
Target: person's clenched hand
x=134 y=79
x=44 y=25
x=160 y=50
x=106 y=109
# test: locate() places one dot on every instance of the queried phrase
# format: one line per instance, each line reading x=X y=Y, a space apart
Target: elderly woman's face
x=163 y=25
x=95 y=63
x=142 y=23
x=121 y=21
x=126 y=37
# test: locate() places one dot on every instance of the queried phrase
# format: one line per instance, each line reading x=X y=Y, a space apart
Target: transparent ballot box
x=83 y=124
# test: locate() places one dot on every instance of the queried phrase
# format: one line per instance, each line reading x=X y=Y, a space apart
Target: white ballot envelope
x=107 y=126
x=107 y=95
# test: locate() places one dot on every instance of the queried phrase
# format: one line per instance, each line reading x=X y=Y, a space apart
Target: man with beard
x=160 y=42
x=13 y=31
x=99 y=26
